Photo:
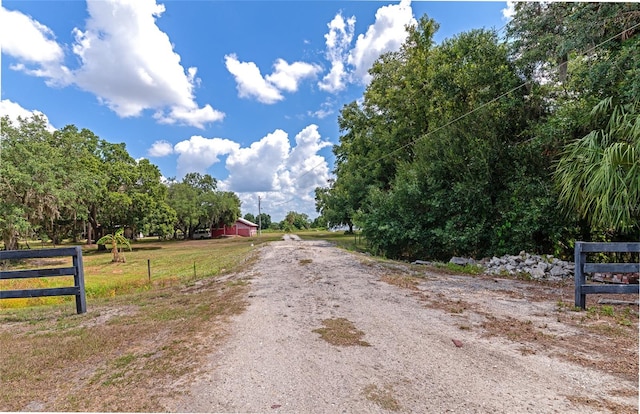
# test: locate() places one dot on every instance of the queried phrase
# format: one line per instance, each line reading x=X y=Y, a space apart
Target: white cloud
x=249 y=81
x=509 y=11
x=193 y=116
x=15 y=111
x=160 y=149
x=129 y=76
x=199 y=153
x=338 y=41
x=334 y=81
x=307 y=169
x=321 y=113
x=283 y=176
x=386 y=34
x=285 y=77
x=34 y=43
x=257 y=167
x=117 y=63
x=326 y=109
x=27 y=39
x=288 y=76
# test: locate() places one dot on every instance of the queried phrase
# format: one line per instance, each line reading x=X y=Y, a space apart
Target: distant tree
x=222 y=208
x=32 y=178
x=319 y=223
x=183 y=198
x=202 y=183
x=335 y=205
x=264 y=220
x=250 y=217
x=198 y=204
x=59 y=183
x=295 y=221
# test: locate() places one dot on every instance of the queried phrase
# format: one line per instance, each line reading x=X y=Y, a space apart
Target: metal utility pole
x=259 y=218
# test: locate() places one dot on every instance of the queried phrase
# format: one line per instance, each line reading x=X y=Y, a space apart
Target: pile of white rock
x=544 y=267
x=538 y=267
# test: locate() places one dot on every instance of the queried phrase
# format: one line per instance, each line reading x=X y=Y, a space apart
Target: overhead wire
x=490 y=102
x=591 y=49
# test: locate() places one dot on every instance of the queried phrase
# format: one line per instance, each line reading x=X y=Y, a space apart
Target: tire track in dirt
x=274 y=362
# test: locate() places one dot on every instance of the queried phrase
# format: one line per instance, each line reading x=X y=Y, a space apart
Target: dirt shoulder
x=423 y=342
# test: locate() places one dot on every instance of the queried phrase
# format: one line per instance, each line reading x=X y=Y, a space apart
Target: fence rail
x=77 y=271
x=582 y=289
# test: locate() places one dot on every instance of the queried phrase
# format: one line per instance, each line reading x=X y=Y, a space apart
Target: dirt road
x=515 y=349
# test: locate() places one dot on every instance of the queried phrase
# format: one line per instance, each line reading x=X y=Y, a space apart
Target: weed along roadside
x=148 y=265
x=308 y=327
x=334 y=331
x=139 y=334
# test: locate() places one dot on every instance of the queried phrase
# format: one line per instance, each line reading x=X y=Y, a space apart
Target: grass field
x=137 y=337
x=149 y=263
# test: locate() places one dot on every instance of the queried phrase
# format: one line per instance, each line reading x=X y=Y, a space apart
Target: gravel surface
x=272 y=360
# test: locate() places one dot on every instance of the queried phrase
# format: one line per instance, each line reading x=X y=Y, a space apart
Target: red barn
x=241 y=227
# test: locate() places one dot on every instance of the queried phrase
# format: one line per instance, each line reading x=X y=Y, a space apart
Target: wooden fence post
x=582 y=267
x=78 y=278
x=579 y=258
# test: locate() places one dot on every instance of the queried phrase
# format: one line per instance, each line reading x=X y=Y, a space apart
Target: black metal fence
x=582 y=289
x=77 y=271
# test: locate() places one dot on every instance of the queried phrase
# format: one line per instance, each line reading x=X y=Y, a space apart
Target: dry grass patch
x=400 y=280
x=603 y=405
x=305 y=262
x=515 y=329
x=382 y=396
x=590 y=347
x=589 y=336
x=527 y=351
x=341 y=332
x=123 y=355
x=441 y=302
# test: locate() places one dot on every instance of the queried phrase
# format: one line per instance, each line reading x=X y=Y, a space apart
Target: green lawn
x=170 y=262
x=354 y=242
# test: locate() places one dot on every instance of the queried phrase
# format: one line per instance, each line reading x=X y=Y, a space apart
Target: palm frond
x=598 y=176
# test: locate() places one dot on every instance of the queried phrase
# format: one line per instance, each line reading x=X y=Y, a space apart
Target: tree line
x=293 y=221
x=69 y=183
x=484 y=146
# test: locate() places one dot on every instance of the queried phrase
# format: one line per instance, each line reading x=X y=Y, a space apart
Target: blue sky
x=246 y=91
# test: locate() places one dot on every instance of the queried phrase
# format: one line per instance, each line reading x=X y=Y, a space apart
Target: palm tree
x=598 y=175
x=116 y=239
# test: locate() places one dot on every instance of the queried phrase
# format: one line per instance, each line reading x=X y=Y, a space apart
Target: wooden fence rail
x=77 y=271
x=582 y=289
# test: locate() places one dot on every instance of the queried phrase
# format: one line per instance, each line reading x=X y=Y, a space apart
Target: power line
x=465 y=114
x=285 y=202
x=489 y=102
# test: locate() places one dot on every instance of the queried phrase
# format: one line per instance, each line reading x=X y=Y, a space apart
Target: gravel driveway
x=273 y=361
